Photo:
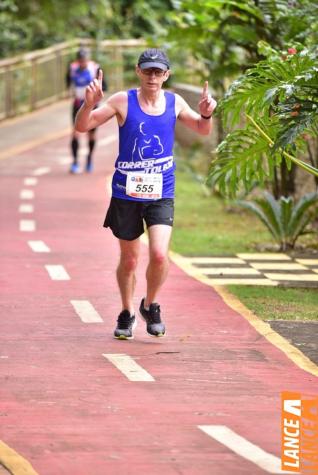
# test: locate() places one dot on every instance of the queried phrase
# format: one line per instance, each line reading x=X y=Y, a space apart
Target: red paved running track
x=64 y=407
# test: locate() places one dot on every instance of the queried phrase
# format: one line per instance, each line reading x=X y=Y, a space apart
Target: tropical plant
x=223 y=34
x=285 y=219
x=277 y=102
x=218 y=40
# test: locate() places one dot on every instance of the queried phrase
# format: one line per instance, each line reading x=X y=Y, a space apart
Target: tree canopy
x=34 y=24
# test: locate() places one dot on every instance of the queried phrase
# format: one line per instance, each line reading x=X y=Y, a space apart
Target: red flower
x=292 y=51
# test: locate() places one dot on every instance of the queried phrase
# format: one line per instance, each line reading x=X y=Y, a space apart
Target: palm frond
x=256 y=209
x=240 y=162
x=285 y=220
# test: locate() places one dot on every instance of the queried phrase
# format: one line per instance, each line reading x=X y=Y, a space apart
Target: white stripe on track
x=41 y=171
x=30 y=181
x=26 y=194
x=129 y=367
x=57 y=272
x=39 y=246
x=108 y=140
x=86 y=311
x=27 y=225
x=65 y=160
x=26 y=208
x=241 y=446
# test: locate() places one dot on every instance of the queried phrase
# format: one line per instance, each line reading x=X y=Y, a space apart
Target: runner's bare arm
x=200 y=123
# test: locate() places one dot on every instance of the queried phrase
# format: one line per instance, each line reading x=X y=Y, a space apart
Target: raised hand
x=207 y=104
x=94 y=91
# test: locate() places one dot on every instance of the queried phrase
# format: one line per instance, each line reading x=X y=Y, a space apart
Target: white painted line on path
x=30 y=181
x=27 y=225
x=241 y=446
x=41 y=171
x=292 y=277
x=129 y=367
x=215 y=260
x=57 y=272
x=274 y=266
x=65 y=160
x=308 y=262
x=26 y=208
x=39 y=246
x=229 y=271
x=264 y=256
x=86 y=311
x=108 y=140
x=240 y=281
x=26 y=194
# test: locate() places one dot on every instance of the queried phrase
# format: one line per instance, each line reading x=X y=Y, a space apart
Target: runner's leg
x=157 y=270
x=74 y=141
x=129 y=253
x=74 y=146
x=91 y=146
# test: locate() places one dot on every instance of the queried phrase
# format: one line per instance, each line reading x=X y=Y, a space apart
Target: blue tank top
x=146 y=146
x=80 y=78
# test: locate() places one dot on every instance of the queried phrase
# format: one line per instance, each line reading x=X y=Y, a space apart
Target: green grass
x=205 y=225
x=272 y=303
x=208 y=226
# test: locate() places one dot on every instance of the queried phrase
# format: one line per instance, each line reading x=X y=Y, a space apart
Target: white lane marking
x=30 y=181
x=57 y=272
x=108 y=140
x=65 y=160
x=27 y=225
x=26 y=194
x=26 y=208
x=264 y=257
x=273 y=266
x=229 y=271
x=39 y=246
x=292 y=277
x=129 y=367
x=215 y=260
x=241 y=446
x=308 y=262
x=236 y=281
x=41 y=171
x=86 y=311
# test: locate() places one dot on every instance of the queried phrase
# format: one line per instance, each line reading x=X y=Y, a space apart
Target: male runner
x=144 y=179
x=79 y=75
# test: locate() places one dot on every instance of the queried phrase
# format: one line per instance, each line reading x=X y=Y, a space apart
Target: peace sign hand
x=207 y=104
x=94 y=91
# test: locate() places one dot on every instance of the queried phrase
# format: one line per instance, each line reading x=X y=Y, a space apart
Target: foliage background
x=34 y=24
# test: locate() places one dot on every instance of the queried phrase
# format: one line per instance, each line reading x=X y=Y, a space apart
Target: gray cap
x=82 y=53
x=154 y=58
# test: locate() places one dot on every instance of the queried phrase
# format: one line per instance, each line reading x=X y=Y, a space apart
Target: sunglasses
x=150 y=71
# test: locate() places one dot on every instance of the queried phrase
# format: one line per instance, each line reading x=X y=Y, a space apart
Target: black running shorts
x=125 y=217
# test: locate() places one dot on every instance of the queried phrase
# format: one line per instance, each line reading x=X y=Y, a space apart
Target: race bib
x=147 y=186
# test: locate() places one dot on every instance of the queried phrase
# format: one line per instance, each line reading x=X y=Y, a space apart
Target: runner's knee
x=158 y=257
x=129 y=263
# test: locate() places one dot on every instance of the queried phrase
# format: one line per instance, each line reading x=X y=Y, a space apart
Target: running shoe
x=155 y=327
x=89 y=167
x=75 y=168
x=125 y=326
